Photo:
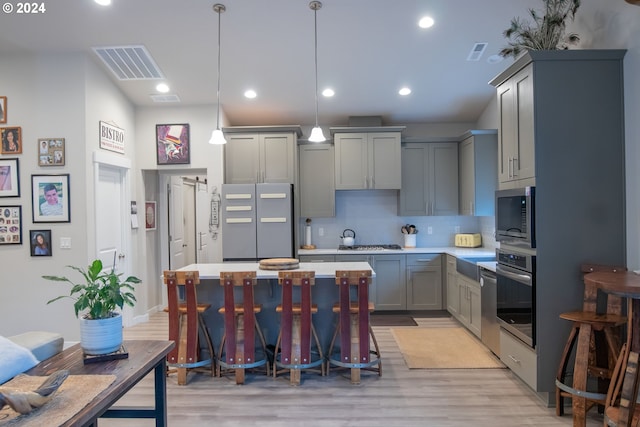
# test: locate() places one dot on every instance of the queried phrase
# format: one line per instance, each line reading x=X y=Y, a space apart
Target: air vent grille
x=129 y=62
x=165 y=98
x=476 y=51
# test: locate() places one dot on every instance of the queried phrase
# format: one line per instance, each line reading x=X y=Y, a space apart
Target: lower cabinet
x=522 y=360
x=469 y=313
x=411 y=282
x=424 y=282
x=388 y=291
x=453 y=292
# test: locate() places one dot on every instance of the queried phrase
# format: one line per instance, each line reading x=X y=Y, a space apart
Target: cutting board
x=279 y=264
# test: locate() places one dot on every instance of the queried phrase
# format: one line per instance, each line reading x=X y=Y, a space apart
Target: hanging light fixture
x=316 y=132
x=217 y=137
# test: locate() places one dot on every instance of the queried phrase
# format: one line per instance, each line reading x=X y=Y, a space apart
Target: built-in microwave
x=515 y=217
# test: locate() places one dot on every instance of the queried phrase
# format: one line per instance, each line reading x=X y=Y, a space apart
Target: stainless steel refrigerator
x=257 y=221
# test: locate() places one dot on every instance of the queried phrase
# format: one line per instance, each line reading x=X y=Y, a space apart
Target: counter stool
x=237 y=349
x=354 y=327
x=595 y=342
x=293 y=350
x=186 y=325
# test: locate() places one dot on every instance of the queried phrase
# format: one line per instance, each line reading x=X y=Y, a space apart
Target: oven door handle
x=519 y=277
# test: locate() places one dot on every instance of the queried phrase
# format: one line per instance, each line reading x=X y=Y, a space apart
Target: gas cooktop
x=369 y=247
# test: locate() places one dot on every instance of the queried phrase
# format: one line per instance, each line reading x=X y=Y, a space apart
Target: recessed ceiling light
x=103 y=2
x=162 y=88
x=250 y=93
x=426 y=22
x=328 y=92
x=404 y=91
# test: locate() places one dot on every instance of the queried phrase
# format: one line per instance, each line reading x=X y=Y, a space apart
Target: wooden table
x=144 y=356
x=625 y=284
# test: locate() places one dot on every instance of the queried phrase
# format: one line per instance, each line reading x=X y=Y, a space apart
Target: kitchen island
x=267 y=293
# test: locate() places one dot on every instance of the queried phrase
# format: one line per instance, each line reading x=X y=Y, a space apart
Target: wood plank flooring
x=401 y=397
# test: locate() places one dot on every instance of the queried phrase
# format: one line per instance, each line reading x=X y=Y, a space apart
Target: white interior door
x=112 y=216
x=203 y=207
x=177 y=243
x=189 y=220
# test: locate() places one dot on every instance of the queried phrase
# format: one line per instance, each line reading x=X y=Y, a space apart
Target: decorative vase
x=101 y=336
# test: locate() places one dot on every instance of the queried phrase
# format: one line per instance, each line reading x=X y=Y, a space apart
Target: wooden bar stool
x=354 y=327
x=595 y=341
x=237 y=349
x=294 y=351
x=186 y=325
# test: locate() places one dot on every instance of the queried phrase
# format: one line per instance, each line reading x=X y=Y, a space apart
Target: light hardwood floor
x=401 y=397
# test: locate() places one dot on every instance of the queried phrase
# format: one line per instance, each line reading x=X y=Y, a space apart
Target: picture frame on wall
x=9 y=178
x=3 y=109
x=173 y=144
x=11 y=140
x=10 y=225
x=40 y=241
x=51 y=152
x=150 y=215
x=50 y=198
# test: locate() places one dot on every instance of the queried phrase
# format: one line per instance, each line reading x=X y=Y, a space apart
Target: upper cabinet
x=256 y=154
x=367 y=158
x=429 y=179
x=317 y=185
x=478 y=172
x=516 y=158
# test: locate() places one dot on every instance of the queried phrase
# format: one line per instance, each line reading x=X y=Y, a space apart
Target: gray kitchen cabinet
x=260 y=154
x=429 y=179
x=424 y=282
x=389 y=286
x=478 y=172
x=470 y=310
x=317 y=184
x=453 y=292
x=574 y=121
x=516 y=133
x=367 y=159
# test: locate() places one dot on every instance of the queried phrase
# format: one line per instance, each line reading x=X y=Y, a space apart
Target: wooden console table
x=144 y=356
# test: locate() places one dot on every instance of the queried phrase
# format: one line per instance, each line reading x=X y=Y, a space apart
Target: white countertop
x=457 y=252
x=323 y=269
x=489 y=265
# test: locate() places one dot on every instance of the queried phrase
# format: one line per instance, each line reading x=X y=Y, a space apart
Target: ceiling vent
x=129 y=62
x=476 y=51
x=165 y=98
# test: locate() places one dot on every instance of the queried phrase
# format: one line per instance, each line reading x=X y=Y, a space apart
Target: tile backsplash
x=372 y=214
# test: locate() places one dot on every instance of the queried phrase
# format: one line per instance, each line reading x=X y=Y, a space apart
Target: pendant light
x=217 y=137
x=316 y=132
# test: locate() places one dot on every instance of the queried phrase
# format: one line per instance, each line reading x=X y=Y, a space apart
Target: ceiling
x=367 y=50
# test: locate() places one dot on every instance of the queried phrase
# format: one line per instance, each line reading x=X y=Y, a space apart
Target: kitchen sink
x=468 y=266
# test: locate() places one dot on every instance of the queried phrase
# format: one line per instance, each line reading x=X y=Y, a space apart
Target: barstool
x=237 y=349
x=293 y=351
x=596 y=339
x=186 y=324
x=354 y=327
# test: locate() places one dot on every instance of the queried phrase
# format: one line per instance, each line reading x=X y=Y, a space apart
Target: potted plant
x=95 y=305
x=547 y=32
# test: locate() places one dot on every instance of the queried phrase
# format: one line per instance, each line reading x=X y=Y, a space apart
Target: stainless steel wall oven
x=516 y=291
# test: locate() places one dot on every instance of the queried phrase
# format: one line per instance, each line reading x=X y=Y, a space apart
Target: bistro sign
x=111 y=138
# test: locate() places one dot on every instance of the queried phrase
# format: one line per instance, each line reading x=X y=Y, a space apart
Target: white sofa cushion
x=14 y=359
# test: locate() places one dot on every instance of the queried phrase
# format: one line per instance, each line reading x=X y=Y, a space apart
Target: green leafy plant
x=101 y=293
x=547 y=32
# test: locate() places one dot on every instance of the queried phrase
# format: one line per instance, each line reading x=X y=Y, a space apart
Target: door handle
x=515 y=159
